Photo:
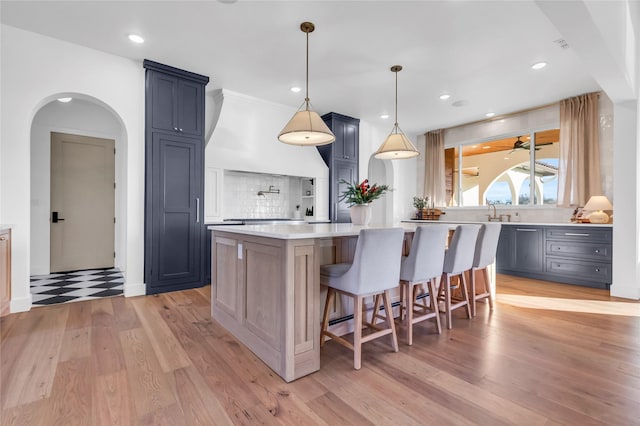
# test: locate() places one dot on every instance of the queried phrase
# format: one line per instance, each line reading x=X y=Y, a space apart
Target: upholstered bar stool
x=486 y=247
x=423 y=265
x=375 y=269
x=457 y=260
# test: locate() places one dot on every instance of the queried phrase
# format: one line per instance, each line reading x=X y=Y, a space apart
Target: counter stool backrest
x=426 y=257
x=487 y=245
x=461 y=252
x=376 y=263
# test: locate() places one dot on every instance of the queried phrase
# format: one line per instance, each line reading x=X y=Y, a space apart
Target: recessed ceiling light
x=384 y=116
x=538 y=65
x=490 y=114
x=295 y=89
x=64 y=100
x=506 y=158
x=136 y=38
x=486 y=147
x=474 y=146
x=444 y=97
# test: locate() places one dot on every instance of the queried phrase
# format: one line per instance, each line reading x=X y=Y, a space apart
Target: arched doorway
x=89 y=126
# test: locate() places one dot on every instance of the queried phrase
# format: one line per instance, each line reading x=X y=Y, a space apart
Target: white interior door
x=82 y=202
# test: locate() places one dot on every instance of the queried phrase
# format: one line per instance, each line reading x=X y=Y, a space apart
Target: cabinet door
x=164 y=105
x=190 y=107
x=350 y=141
x=176 y=105
x=527 y=249
x=342 y=170
x=174 y=211
x=5 y=271
x=504 y=254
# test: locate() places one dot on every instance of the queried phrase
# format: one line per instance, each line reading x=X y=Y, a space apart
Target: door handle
x=55 y=218
x=198 y=210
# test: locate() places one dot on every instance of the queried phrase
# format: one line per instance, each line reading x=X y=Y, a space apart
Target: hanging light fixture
x=306 y=127
x=397 y=145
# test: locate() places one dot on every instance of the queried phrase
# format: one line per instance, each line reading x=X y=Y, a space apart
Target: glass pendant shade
x=396 y=147
x=306 y=128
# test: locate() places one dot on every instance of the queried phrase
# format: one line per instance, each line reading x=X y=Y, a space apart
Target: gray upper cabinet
x=174 y=179
x=342 y=158
x=175 y=104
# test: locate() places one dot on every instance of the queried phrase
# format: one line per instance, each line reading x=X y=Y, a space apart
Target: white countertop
x=327 y=230
x=296 y=232
x=590 y=225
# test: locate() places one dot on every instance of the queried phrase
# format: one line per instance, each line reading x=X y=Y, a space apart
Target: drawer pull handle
x=3 y=238
x=575 y=234
x=526 y=230
x=597 y=269
x=597 y=251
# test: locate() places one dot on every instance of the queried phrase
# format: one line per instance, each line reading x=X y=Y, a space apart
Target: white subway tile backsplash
x=241 y=199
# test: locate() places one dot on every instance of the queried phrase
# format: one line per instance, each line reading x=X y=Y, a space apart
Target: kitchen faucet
x=495 y=214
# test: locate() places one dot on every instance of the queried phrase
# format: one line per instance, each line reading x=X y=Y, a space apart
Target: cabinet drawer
x=579 y=269
x=581 y=233
x=581 y=250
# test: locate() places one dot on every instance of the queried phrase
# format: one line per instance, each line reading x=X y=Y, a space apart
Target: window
x=505 y=171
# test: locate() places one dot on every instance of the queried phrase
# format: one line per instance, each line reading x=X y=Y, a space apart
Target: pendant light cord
x=396 y=124
x=306 y=98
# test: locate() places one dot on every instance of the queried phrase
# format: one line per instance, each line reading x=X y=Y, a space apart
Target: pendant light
x=306 y=128
x=397 y=146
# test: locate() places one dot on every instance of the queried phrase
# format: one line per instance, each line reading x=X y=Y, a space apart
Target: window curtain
x=434 y=177
x=579 y=163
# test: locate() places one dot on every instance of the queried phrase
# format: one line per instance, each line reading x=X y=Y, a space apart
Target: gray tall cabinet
x=342 y=158
x=174 y=178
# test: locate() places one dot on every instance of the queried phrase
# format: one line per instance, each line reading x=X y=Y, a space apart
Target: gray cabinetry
x=174 y=179
x=342 y=159
x=571 y=254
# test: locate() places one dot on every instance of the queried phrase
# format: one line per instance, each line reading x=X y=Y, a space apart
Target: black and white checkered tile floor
x=76 y=286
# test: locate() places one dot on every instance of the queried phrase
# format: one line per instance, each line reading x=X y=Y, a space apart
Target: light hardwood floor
x=548 y=354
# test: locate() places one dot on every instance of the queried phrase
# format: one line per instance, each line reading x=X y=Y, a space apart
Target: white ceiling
x=480 y=52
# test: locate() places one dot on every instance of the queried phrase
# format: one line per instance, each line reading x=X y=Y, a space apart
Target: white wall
x=79 y=117
x=36 y=70
x=245 y=138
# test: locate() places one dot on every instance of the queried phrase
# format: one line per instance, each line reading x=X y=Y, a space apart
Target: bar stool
x=423 y=265
x=457 y=260
x=375 y=269
x=486 y=247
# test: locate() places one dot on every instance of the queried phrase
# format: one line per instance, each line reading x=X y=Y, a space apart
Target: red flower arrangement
x=362 y=193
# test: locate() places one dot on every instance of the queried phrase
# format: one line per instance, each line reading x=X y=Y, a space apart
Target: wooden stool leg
x=325 y=318
x=433 y=299
x=447 y=298
x=465 y=293
x=376 y=308
x=409 y=296
x=357 y=332
x=472 y=291
x=390 y=322
x=403 y=305
x=488 y=287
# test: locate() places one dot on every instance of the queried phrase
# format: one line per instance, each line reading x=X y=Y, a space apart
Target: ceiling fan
x=518 y=144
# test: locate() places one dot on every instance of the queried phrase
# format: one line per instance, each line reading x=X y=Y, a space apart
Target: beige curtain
x=579 y=164
x=434 y=179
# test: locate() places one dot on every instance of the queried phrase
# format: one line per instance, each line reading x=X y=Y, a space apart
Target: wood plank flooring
x=547 y=354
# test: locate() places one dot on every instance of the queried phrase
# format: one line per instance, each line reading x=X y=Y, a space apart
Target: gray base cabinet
x=578 y=255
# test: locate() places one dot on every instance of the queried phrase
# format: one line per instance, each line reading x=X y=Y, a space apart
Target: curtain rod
x=511 y=114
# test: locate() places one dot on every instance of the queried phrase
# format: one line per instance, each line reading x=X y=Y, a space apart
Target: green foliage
x=362 y=193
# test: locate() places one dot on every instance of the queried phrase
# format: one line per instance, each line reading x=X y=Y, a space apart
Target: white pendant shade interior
x=397 y=146
x=306 y=128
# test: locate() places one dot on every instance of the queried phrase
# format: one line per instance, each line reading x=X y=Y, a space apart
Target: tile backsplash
x=241 y=199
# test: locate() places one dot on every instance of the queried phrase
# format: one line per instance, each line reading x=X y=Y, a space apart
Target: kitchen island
x=265 y=287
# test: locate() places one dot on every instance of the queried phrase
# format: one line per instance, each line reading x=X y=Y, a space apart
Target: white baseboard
x=21 y=304
x=134 y=289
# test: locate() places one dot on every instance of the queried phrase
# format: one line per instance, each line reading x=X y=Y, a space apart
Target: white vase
x=360 y=214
